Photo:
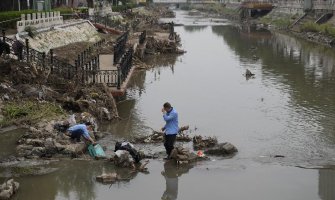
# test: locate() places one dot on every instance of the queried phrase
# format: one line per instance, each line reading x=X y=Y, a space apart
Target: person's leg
x=170 y=140
x=75 y=136
x=166 y=143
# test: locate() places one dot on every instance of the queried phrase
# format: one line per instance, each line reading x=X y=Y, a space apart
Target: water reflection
x=326 y=184
x=305 y=75
x=171 y=173
x=73 y=180
x=194 y=28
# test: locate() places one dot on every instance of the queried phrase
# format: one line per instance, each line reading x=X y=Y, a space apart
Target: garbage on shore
x=8 y=189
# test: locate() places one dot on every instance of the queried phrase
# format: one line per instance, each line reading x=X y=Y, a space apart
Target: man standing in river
x=171 y=128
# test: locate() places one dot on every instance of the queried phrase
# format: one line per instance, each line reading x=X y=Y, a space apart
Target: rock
x=8 y=189
x=35 y=142
x=248 y=73
x=105 y=114
x=38 y=151
x=6 y=97
x=24 y=147
x=50 y=127
x=33 y=129
x=75 y=149
x=50 y=146
x=59 y=146
x=123 y=158
x=222 y=149
x=108 y=178
x=182 y=155
x=200 y=142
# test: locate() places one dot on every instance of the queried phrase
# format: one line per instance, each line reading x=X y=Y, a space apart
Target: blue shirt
x=79 y=129
x=171 y=119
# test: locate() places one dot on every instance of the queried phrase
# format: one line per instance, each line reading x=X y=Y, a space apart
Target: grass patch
x=123 y=7
x=279 y=22
x=326 y=29
x=28 y=112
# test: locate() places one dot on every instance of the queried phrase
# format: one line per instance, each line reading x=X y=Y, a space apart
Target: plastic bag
x=72 y=120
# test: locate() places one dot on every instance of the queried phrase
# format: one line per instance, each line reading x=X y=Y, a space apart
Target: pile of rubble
x=200 y=142
x=158 y=46
x=8 y=189
x=158 y=137
x=46 y=141
x=211 y=146
x=184 y=156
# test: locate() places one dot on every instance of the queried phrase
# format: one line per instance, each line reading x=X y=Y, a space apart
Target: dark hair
x=167 y=105
x=88 y=124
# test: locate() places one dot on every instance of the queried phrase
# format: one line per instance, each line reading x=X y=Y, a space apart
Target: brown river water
x=287 y=109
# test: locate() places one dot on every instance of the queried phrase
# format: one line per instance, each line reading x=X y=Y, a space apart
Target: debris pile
x=158 y=136
x=8 y=189
x=200 y=142
x=158 y=46
x=48 y=139
x=222 y=149
x=123 y=159
x=183 y=156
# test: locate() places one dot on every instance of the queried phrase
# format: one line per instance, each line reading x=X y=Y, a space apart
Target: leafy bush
x=326 y=29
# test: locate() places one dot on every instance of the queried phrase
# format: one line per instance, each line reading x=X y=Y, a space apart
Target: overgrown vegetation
x=279 y=22
x=326 y=29
x=28 y=112
x=123 y=7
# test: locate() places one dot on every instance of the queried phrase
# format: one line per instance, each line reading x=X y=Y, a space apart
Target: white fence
x=39 y=20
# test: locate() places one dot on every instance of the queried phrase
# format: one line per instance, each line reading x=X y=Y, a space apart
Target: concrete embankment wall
x=63 y=35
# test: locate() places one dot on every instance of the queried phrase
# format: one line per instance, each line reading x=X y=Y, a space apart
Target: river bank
x=276 y=20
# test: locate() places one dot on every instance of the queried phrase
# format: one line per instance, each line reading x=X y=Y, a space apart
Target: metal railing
x=86 y=68
x=142 y=37
x=120 y=46
x=126 y=64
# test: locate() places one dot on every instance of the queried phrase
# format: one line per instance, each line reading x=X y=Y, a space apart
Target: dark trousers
x=169 y=142
x=76 y=136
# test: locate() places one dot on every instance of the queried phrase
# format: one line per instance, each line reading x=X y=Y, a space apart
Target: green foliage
x=123 y=7
x=279 y=22
x=29 y=112
x=326 y=29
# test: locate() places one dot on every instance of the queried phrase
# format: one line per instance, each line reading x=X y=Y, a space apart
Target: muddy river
x=287 y=109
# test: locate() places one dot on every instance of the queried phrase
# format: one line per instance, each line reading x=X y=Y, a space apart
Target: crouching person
x=75 y=132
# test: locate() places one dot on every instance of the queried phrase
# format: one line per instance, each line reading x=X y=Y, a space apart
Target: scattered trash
x=200 y=154
x=8 y=189
x=96 y=151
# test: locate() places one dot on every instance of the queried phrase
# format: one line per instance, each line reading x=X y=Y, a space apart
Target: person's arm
x=88 y=137
x=169 y=117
